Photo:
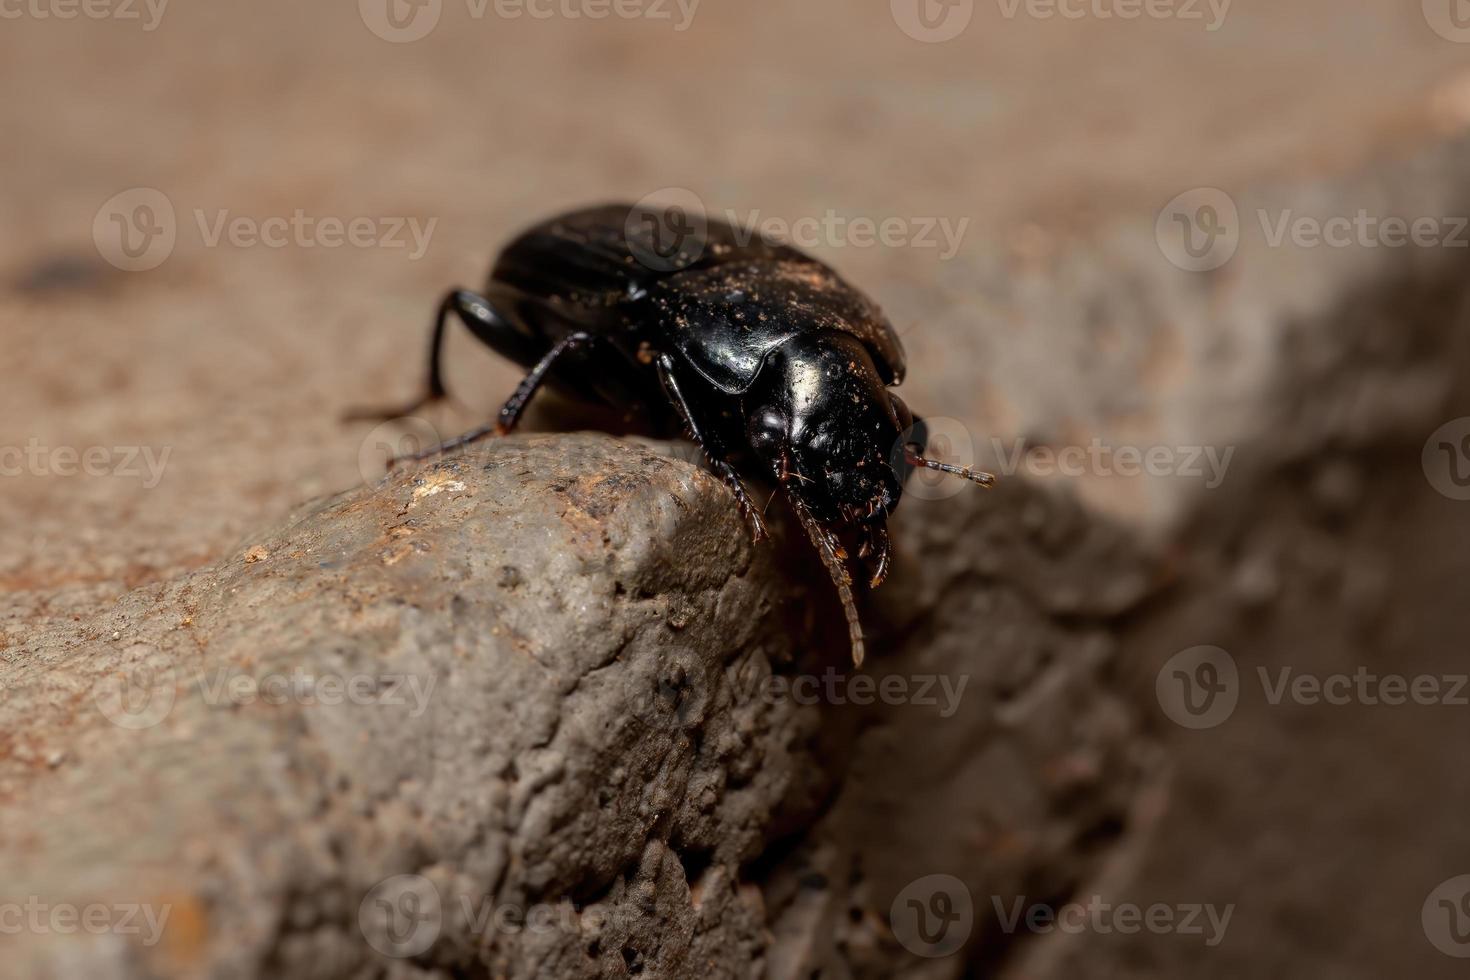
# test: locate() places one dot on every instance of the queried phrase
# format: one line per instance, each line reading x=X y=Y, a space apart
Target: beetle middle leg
x=714 y=449
x=479 y=315
x=510 y=413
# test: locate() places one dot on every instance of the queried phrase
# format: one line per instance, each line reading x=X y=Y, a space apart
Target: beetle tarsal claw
x=884 y=550
x=757 y=525
x=832 y=554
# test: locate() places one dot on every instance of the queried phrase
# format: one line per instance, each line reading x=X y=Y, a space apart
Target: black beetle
x=757 y=349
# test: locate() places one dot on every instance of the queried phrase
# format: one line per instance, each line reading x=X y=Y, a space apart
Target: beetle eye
x=766 y=427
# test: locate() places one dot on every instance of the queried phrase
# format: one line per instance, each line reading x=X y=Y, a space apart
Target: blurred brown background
x=240 y=358
x=1054 y=137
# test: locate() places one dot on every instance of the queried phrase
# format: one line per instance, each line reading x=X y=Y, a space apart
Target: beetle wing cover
x=728 y=297
x=595 y=256
x=725 y=319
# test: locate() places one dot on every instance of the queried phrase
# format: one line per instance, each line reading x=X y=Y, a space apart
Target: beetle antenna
x=914 y=458
x=832 y=554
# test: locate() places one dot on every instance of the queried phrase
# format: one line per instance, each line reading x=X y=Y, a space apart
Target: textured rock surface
x=559 y=691
x=533 y=723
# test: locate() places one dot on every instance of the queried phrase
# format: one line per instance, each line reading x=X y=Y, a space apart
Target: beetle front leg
x=714 y=449
x=879 y=551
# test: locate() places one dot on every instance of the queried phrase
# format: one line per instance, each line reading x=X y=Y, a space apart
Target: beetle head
x=821 y=418
x=838 y=442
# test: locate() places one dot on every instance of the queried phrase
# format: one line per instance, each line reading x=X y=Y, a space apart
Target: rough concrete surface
x=534 y=710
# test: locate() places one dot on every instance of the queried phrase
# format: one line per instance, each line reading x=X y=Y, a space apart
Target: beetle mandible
x=758 y=350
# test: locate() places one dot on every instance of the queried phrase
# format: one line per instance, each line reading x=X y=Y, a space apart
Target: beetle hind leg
x=488 y=326
x=515 y=406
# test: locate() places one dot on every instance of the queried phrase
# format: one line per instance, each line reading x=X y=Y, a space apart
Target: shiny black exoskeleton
x=761 y=352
